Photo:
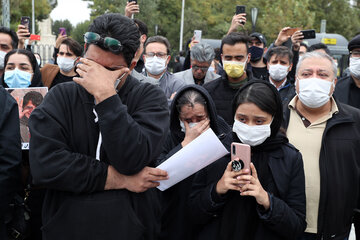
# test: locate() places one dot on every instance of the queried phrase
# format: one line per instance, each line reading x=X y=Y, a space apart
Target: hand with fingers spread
x=296 y=39
x=23 y=34
x=98 y=80
x=238 y=20
x=253 y=188
x=229 y=180
x=131 y=8
x=194 y=132
x=282 y=37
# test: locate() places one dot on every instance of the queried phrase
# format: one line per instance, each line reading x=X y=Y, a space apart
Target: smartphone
x=25 y=21
x=240 y=9
x=291 y=31
x=242 y=153
x=197 y=35
x=133 y=1
x=62 y=31
x=308 y=34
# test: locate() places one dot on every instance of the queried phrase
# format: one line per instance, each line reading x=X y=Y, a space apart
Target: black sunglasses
x=110 y=43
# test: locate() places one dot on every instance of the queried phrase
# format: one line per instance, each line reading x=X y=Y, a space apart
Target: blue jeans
x=311 y=236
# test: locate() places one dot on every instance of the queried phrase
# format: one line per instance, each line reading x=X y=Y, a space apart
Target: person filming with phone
x=265 y=200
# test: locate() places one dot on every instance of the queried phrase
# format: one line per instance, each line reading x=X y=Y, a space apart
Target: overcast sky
x=75 y=11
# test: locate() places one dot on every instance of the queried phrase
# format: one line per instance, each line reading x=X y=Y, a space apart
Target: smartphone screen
x=25 y=21
x=309 y=34
x=240 y=9
x=197 y=35
x=241 y=152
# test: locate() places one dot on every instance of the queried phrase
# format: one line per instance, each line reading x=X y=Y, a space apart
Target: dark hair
x=319 y=46
x=35 y=97
x=281 y=51
x=234 y=38
x=73 y=45
x=304 y=45
x=263 y=95
x=159 y=39
x=143 y=29
x=217 y=54
x=12 y=34
x=27 y=53
x=190 y=97
x=121 y=28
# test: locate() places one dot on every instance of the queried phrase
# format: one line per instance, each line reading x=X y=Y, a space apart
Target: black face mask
x=256 y=53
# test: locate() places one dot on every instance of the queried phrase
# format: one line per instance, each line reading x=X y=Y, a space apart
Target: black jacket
x=339 y=172
x=342 y=89
x=176 y=221
x=10 y=153
x=222 y=94
x=64 y=139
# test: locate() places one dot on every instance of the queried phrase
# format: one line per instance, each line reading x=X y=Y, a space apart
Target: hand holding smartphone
x=62 y=31
x=239 y=10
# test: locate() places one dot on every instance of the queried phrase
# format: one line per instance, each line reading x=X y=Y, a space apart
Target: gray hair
x=316 y=54
x=190 y=97
x=202 y=52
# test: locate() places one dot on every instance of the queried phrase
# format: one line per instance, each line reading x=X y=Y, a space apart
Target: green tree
x=79 y=30
x=62 y=23
x=20 y=8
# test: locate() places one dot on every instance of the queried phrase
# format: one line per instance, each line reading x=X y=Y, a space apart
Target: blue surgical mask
x=17 y=78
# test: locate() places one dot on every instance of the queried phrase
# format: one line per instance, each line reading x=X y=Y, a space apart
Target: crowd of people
x=114 y=112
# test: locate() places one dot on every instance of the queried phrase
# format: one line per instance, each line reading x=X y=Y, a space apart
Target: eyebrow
x=21 y=64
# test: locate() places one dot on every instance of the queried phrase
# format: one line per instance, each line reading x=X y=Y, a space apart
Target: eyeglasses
x=355 y=53
x=110 y=43
x=158 y=54
x=195 y=67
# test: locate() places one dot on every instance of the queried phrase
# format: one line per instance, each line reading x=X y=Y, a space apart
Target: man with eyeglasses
x=95 y=138
x=201 y=56
x=348 y=91
x=235 y=56
x=156 y=58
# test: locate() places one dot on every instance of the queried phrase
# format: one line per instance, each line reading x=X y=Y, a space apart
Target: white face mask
x=155 y=65
x=65 y=64
x=314 y=92
x=278 y=72
x=355 y=67
x=2 y=57
x=182 y=125
x=251 y=135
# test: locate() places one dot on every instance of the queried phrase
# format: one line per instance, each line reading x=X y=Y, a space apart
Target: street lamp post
x=254 y=15
x=33 y=18
x=6 y=13
x=182 y=25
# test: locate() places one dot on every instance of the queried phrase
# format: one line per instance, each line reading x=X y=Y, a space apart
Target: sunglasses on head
x=110 y=43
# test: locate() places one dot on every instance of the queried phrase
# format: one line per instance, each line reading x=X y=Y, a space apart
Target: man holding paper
x=193 y=113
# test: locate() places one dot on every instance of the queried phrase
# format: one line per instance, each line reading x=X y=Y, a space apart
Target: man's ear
x=265 y=49
x=290 y=67
x=143 y=38
x=168 y=59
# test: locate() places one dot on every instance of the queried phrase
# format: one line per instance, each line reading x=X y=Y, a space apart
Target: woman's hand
x=229 y=180
x=194 y=132
x=253 y=188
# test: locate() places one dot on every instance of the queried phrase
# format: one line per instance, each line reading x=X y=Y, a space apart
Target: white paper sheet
x=198 y=154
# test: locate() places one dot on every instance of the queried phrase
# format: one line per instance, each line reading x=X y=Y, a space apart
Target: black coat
x=286 y=219
x=222 y=94
x=10 y=153
x=342 y=89
x=176 y=221
x=339 y=172
x=63 y=142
